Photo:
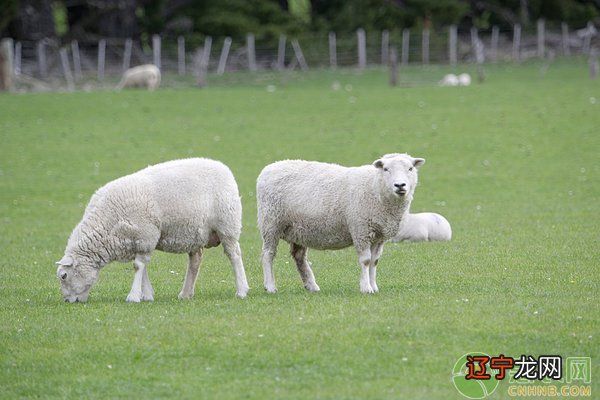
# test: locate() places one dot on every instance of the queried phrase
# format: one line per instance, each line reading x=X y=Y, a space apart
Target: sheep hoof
x=185 y=296
x=312 y=287
x=147 y=298
x=367 y=289
x=271 y=289
x=133 y=298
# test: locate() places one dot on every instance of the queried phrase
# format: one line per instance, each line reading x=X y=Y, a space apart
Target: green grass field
x=514 y=164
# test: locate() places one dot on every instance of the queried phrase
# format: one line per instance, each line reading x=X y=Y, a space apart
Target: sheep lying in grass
x=464 y=79
x=180 y=206
x=327 y=206
x=449 y=80
x=147 y=76
x=423 y=227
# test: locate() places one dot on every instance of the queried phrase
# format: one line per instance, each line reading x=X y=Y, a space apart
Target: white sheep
x=328 y=206
x=180 y=206
x=464 y=79
x=449 y=80
x=422 y=227
x=147 y=75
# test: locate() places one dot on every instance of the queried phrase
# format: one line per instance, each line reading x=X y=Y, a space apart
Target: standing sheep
x=422 y=227
x=180 y=206
x=147 y=75
x=327 y=206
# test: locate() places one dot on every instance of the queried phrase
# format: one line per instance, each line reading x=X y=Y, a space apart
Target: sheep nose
x=400 y=186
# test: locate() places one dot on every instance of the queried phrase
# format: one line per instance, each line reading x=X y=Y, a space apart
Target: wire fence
x=53 y=65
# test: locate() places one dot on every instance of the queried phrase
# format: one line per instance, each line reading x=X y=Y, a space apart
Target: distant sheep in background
x=464 y=79
x=423 y=227
x=449 y=80
x=147 y=76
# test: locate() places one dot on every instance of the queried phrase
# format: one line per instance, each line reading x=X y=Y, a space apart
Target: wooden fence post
x=41 y=56
x=393 y=64
x=540 y=38
x=452 y=44
x=516 y=48
x=101 y=58
x=181 y=55
x=405 y=46
x=593 y=65
x=201 y=61
x=206 y=52
x=299 y=55
x=64 y=60
x=6 y=65
x=587 y=39
x=332 y=50
x=281 y=53
x=361 y=41
x=425 y=46
x=385 y=47
x=76 y=59
x=156 y=50
x=127 y=54
x=494 y=43
x=224 y=55
x=565 y=39
x=474 y=41
x=251 y=52
x=18 y=55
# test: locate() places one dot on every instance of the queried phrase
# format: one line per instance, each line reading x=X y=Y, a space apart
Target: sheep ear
x=66 y=261
x=378 y=164
x=417 y=162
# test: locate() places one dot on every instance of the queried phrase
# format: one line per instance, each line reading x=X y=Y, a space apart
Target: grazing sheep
x=180 y=206
x=464 y=79
x=327 y=206
x=449 y=80
x=423 y=227
x=147 y=76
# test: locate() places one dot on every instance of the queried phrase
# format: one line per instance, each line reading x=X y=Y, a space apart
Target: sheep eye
x=385 y=169
x=411 y=168
x=63 y=276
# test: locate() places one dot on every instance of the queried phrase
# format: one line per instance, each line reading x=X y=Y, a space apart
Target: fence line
x=110 y=57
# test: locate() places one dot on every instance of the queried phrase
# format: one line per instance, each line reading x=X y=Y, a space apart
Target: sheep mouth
x=401 y=192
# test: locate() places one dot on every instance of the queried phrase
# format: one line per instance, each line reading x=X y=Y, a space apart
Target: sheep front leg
x=234 y=253
x=147 y=290
x=376 y=250
x=139 y=264
x=364 y=260
x=189 y=283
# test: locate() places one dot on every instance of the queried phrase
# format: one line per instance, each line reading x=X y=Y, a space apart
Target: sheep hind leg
x=269 y=251
x=234 y=253
x=139 y=265
x=189 y=283
x=299 y=253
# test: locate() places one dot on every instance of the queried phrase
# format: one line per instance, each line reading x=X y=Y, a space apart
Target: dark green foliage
x=8 y=10
x=236 y=18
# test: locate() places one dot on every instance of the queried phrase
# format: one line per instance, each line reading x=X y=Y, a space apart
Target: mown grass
x=513 y=164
